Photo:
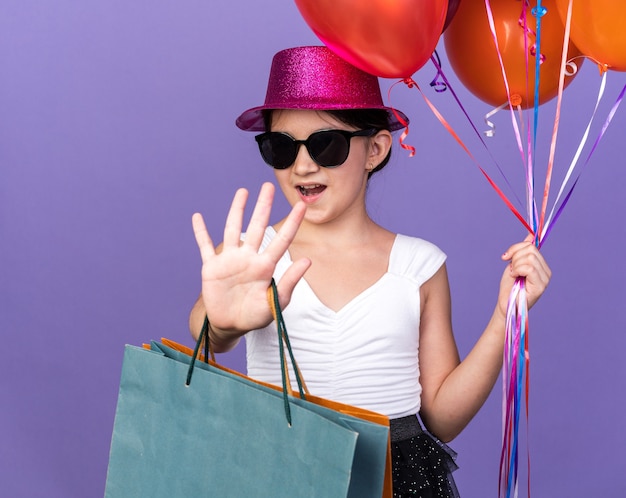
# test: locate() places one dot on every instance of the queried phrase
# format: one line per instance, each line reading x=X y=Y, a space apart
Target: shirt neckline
x=361 y=295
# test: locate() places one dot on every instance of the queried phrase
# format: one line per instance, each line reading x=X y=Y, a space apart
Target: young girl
x=367 y=310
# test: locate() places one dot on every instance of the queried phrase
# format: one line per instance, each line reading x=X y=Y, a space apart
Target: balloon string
x=578 y=153
x=620 y=98
x=530 y=147
x=513 y=374
x=532 y=136
x=469 y=119
x=492 y=127
x=529 y=173
x=403 y=122
x=515 y=387
x=411 y=83
x=518 y=137
x=516 y=101
x=507 y=392
x=439 y=82
x=557 y=117
x=492 y=27
x=533 y=49
x=527 y=392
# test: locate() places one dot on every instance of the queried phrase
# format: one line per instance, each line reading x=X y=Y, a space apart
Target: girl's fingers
x=527 y=262
x=203 y=239
x=250 y=265
x=290 y=278
x=281 y=242
x=528 y=256
x=260 y=216
x=234 y=220
x=508 y=254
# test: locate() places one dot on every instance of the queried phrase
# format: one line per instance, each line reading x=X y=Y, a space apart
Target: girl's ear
x=379 y=147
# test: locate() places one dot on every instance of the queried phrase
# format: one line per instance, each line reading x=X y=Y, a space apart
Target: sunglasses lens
x=329 y=148
x=278 y=150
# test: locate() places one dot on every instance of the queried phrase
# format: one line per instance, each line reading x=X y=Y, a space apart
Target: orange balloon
x=387 y=38
x=472 y=53
x=598 y=29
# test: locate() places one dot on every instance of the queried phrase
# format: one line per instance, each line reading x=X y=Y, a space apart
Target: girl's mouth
x=309 y=190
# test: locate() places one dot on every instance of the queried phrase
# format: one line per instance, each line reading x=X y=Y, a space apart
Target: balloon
x=472 y=54
x=453 y=6
x=387 y=38
x=599 y=30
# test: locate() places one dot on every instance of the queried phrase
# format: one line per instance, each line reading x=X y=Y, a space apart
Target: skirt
x=422 y=465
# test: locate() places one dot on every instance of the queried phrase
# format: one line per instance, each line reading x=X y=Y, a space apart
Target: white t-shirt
x=365 y=354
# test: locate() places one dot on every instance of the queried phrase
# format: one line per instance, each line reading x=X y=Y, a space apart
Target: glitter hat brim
x=252 y=119
x=314 y=78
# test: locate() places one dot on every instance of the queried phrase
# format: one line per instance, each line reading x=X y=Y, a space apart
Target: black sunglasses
x=328 y=148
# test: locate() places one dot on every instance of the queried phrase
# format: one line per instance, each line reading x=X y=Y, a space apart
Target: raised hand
x=235 y=277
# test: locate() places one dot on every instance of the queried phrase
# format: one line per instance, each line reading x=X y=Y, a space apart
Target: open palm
x=235 y=276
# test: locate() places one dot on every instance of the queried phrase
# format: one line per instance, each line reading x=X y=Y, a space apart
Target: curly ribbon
x=537 y=12
x=438 y=83
x=492 y=127
x=516 y=101
x=403 y=122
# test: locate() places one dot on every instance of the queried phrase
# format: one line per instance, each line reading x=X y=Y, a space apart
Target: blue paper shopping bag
x=222 y=434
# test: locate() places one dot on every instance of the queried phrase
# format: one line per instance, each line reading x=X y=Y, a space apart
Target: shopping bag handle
x=283 y=338
x=283 y=342
x=203 y=338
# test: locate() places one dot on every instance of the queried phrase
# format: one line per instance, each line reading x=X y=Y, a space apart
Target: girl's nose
x=304 y=164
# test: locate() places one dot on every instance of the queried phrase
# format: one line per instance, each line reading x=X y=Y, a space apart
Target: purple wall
x=116 y=124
